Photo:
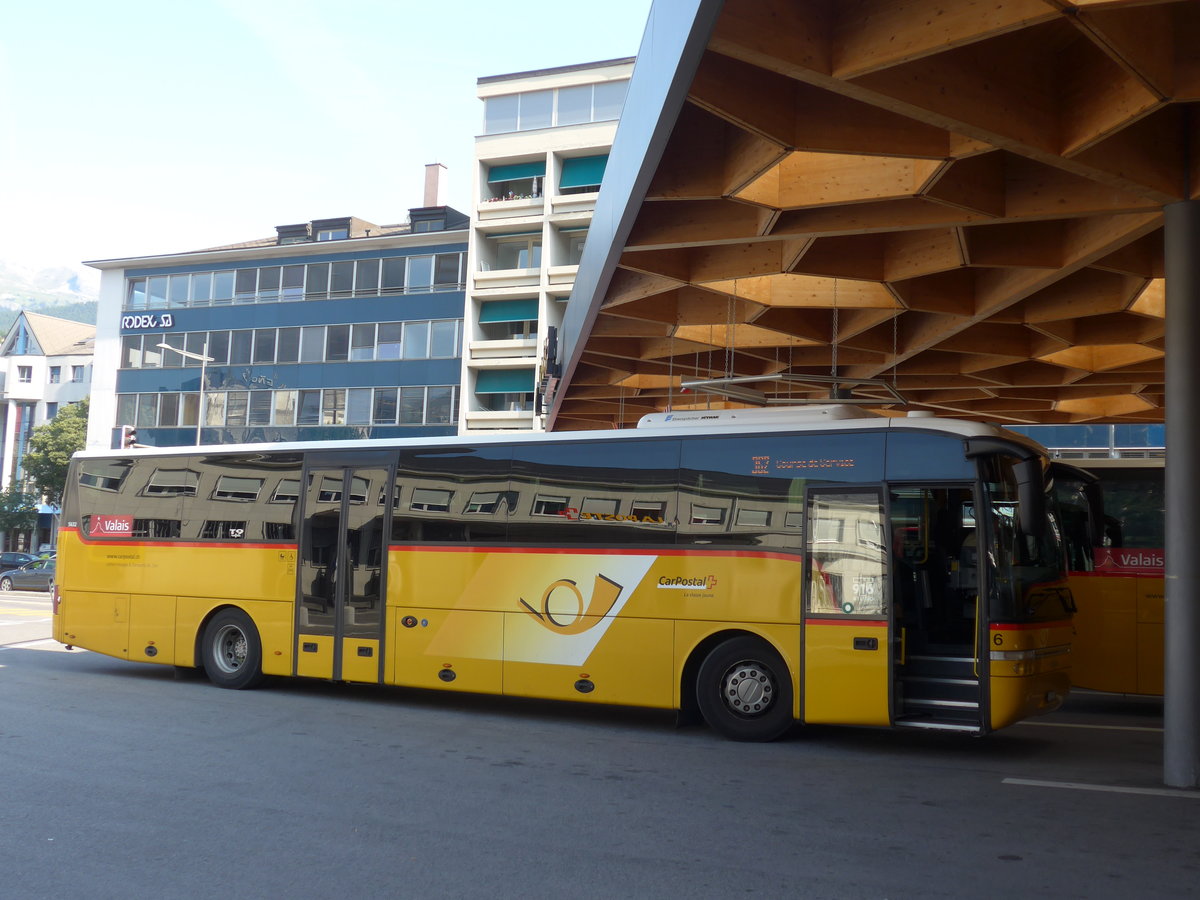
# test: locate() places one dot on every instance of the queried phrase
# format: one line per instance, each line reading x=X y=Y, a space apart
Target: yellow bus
x=756 y=568
x=1115 y=536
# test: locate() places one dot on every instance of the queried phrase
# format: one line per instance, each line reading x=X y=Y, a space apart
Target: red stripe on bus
x=575 y=549
x=117 y=543
x=581 y=549
x=1028 y=626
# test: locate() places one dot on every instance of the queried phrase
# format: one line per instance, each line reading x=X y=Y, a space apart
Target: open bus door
x=938 y=614
x=341 y=592
x=892 y=629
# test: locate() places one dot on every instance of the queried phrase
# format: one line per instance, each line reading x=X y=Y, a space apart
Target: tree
x=18 y=509
x=50 y=449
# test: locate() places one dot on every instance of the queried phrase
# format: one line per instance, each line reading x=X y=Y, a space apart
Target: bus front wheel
x=744 y=690
x=232 y=651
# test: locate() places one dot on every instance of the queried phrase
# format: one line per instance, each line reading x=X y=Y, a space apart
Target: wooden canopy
x=963 y=200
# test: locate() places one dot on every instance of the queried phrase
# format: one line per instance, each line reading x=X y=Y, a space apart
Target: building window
x=517 y=251
x=77 y=374
x=575 y=244
x=51 y=410
x=55 y=374
x=316 y=281
x=416 y=405
x=25 y=374
x=578 y=105
x=333 y=234
x=362 y=342
x=506 y=402
x=500 y=113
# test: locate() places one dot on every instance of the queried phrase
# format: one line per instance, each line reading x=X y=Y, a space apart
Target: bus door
x=940 y=658
x=847 y=624
x=341 y=577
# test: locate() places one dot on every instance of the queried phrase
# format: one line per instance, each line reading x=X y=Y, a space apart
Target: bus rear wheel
x=744 y=690
x=231 y=650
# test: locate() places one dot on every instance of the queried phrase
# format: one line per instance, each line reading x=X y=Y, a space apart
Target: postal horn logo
x=563 y=610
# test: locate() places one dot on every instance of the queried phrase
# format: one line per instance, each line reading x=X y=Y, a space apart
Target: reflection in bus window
x=429 y=500
x=757 y=517
x=155 y=528
x=104 y=475
x=707 y=515
x=598 y=506
x=287 y=491
x=765 y=476
x=279 y=531
x=849 y=574
x=331 y=490
x=649 y=510
x=549 y=505
x=172 y=483
x=245 y=490
x=483 y=502
x=224 y=530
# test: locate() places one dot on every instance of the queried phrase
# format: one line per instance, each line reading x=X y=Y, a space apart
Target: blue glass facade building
x=1116 y=440
x=335 y=329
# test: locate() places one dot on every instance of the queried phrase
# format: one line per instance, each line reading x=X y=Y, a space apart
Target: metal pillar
x=1181 y=703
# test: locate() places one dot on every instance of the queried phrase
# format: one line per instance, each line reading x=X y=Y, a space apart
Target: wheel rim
x=5 y=585
x=230 y=649
x=748 y=689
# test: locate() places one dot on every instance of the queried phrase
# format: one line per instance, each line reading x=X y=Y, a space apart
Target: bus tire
x=744 y=690
x=231 y=651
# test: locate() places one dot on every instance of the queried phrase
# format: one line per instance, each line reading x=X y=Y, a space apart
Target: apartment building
x=538 y=167
x=330 y=329
x=45 y=364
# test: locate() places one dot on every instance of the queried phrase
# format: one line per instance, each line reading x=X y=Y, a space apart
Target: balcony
x=508 y=209
x=562 y=274
x=488 y=279
x=500 y=420
x=574 y=203
x=511 y=348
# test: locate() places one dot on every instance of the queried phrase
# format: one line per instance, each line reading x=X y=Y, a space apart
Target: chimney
x=435 y=184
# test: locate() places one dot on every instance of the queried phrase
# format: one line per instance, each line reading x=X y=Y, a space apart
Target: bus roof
x=811 y=419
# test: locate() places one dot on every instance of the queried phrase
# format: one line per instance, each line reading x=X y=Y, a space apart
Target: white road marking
x=1095 y=727
x=1109 y=788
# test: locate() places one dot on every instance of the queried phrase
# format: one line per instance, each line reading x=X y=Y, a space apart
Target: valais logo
x=112 y=526
x=1128 y=559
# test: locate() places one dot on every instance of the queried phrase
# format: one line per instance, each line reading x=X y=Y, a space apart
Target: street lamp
x=204 y=359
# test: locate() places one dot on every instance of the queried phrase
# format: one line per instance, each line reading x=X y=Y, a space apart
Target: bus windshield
x=1025 y=547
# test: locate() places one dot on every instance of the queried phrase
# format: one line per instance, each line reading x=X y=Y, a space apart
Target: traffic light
x=128 y=436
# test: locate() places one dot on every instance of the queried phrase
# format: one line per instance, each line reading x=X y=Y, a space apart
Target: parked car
x=14 y=559
x=33 y=576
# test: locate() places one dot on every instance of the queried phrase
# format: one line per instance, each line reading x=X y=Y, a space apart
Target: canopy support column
x=1181 y=704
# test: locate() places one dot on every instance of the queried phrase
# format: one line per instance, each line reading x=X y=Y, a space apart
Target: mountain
x=63 y=291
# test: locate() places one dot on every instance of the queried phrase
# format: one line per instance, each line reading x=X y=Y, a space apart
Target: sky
x=139 y=127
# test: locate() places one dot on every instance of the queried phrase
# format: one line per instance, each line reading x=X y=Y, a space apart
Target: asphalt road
x=119 y=780
x=24 y=616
